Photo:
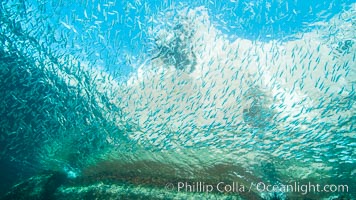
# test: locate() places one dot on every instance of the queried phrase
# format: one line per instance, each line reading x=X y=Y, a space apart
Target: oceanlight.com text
x=236 y=187
x=301 y=188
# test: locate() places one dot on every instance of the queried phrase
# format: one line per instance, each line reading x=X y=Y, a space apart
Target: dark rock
x=38 y=187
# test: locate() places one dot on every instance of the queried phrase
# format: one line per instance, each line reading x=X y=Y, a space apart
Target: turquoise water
x=184 y=97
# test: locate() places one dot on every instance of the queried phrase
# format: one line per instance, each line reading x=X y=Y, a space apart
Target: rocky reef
x=152 y=180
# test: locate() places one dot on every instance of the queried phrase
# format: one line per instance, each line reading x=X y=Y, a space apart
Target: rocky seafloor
x=113 y=180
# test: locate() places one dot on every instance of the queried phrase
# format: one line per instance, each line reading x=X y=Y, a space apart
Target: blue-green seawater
x=167 y=95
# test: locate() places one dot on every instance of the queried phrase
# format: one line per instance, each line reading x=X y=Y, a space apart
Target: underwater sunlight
x=205 y=99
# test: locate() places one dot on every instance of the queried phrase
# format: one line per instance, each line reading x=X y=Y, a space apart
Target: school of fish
x=196 y=93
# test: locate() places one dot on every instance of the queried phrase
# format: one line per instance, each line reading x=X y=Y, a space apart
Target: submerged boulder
x=42 y=186
x=156 y=180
